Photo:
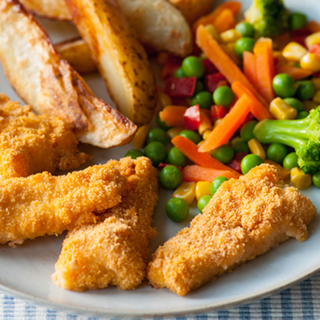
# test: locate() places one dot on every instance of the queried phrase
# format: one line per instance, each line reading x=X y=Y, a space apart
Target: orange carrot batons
x=173 y=116
x=222 y=133
x=223 y=62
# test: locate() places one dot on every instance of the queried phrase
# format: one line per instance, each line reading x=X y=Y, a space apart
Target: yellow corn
x=186 y=191
x=256 y=148
x=216 y=123
x=140 y=136
x=206 y=134
x=312 y=39
x=205 y=124
x=282 y=110
x=203 y=189
x=231 y=35
x=316 y=82
x=310 y=61
x=309 y=105
x=294 y=51
x=284 y=173
x=299 y=179
x=316 y=97
x=172 y=132
x=213 y=32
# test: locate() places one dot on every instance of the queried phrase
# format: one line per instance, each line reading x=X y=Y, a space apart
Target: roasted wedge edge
x=158 y=24
x=50 y=85
x=120 y=58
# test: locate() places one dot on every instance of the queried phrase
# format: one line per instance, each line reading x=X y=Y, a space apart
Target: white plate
x=26 y=270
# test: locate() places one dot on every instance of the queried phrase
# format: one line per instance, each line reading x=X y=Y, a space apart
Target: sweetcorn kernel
x=202 y=189
x=186 y=191
x=299 y=179
x=256 y=148
x=294 y=51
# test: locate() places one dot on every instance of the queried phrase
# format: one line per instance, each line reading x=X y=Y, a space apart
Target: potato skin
x=193 y=9
x=120 y=58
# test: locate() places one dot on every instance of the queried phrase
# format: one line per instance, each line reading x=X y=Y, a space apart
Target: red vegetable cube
x=180 y=87
x=192 y=117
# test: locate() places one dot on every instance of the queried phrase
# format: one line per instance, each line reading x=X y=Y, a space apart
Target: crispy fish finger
x=244 y=219
x=114 y=250
x=44 y=204
x=32 y=143
x=50 y=85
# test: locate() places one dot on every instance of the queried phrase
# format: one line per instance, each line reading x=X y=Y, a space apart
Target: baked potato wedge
x=193 y=9
x=119 y=56
x=158 y=24
x=50 y=85
x=78 y=54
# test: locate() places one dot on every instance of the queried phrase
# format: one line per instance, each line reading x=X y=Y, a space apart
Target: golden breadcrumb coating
x=245 y=218
x=44 y=204
x=113 y=251
x=34 y=143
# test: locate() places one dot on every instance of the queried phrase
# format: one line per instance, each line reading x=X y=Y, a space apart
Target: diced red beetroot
x=316 y=75
x=162 y=165
x=276 y=60
x=192 y=117
x=303 y=32
x=235 y=163
x=315 y=49
x=171 y=65
x=209 y=67
x=218 y=112
x=180 y=87
x=180 y=102
x=300 y=40
x=211 y=81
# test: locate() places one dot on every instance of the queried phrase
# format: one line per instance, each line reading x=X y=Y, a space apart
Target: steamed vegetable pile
x=248 y=94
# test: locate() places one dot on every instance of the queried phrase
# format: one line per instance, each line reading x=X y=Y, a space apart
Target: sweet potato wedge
x=120 y=58
x=158 y=24
x=50 y=85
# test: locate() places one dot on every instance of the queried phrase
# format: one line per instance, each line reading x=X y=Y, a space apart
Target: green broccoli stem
x=292 y=133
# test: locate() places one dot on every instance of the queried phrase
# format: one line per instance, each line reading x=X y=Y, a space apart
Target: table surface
x=301 y=301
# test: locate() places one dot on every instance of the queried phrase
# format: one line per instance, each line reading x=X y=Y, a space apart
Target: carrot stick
x=256 y=108
x=313 y=26
x=173 y=116
x=190 y=150
x=264 y=66
x=224 y=21
x=294 y=72
x=249 y=62
x=234 y=6
x=196 y=173
x=223 y=62
x=222 y=133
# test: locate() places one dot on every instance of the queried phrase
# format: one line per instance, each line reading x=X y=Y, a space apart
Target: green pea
x=297 y=20
x=246 y=29
x=302 y=114
x=192 y=67
x=176 y=157
x=306 y=90
x=202 y=202
x=294 y=103
x=277 y=152
x=246 y=132
x=161 y=123
x=179 y=73
x=250 y=161
x=191 y=135
x=203 y=99
x=224 y=153
x=134 y=153
x=290 y=161
x=242 y=45
x=216 y=183
x=284 y=85
x=316 y=179
x=157 y=134
x=223 y=96
x=199 y=87
x=156 y=151
x=177 y=209
x=170 y=177
x=239 y=145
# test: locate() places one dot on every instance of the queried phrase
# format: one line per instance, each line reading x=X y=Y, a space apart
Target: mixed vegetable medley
x=248 y=94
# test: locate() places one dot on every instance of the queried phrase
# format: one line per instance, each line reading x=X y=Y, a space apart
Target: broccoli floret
x=302 y=135
x=269 y=17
